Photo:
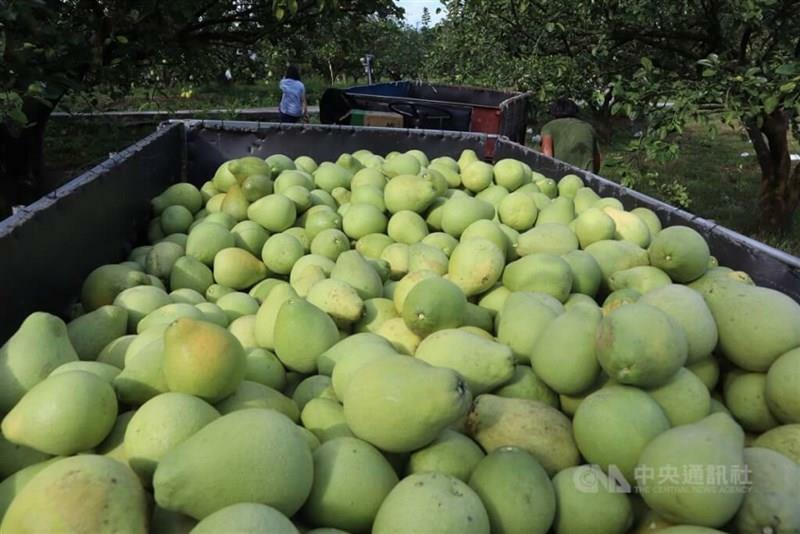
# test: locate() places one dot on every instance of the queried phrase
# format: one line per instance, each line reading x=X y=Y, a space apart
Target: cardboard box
x=360 y=117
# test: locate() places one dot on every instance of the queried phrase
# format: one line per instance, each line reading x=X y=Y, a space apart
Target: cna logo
x=591 y=479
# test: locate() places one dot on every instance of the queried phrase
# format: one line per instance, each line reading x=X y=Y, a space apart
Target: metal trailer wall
x=48 y=249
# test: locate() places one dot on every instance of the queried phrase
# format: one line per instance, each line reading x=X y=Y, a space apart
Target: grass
x=710 y=178
x=190 y=96
x=75 y=145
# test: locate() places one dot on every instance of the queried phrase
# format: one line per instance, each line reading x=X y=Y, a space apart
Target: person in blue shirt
x=293 y=102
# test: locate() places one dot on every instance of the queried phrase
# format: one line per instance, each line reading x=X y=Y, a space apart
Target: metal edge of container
x=768 y=266
x=49 y=247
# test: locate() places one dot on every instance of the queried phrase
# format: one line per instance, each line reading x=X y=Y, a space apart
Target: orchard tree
x=715 y=59
x=51 y=47
x=662 y=63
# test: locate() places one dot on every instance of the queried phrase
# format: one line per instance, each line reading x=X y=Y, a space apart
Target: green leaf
x=707 y=73
x=788 y=87
x=18 y=116
x=646 y=63
x=770 y=104
x=121 y=39
x=788 y=68
x=279 y=13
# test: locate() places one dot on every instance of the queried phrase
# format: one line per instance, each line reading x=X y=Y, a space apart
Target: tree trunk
x=779 y=194
x=601 y=117
x=21 y=155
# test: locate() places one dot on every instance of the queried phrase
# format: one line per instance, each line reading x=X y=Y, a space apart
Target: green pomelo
x=202 y=359
x=408 y=192
x=407 y=227
x=548 y=238
x=363 y=219
x=397 y=256
x=433 y=304
x=545 y=273
x=540 y=429
x=488 y=230
x=586 y=273
x=746 y=398
x=782 y=393
x=707 y=370
x=643 y=279
x=140 y=300
x=614 y=424
x=427 y=257
x=102 y=370
x=254 y=395
x=160 y=424
x=451 y=453
x=515 y=490
x=524 y=384
x=459 y=212
x=85 y=493
x=281 y=252
x=64 y=414
x=166 y=315
x=338 y=300
x=206 y=239
x=684 y=398
x=402 y=404
x=715 y=442
x=784 y=439
x=484 y=364
x=564 y=357
x=253 y=455
x=770 y=503
x=360 y=342
x=376 y=312
x=650 y=219
x=425 y=499
x=104 y=283
x=477 y=176
x=313 y=387
x=246 y=517
x=298 y=319
x=587 y=501
x=594 y=225
x=681 y=252
x=351 y=480
x=181 y=194
x=629 y=227
x=687 y=308
x=755 y=339
x=325 y=419
x=353 y=269
x=638 y=344
x=613 y=256
x=475 y=265
x=521 y=321
x=509 y=173
x=40 y=345
x=238 y=269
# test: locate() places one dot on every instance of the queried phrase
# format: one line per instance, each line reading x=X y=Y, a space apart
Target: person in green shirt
x=570 y=139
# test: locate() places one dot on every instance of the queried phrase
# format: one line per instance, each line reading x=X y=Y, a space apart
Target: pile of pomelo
x=398 y=345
